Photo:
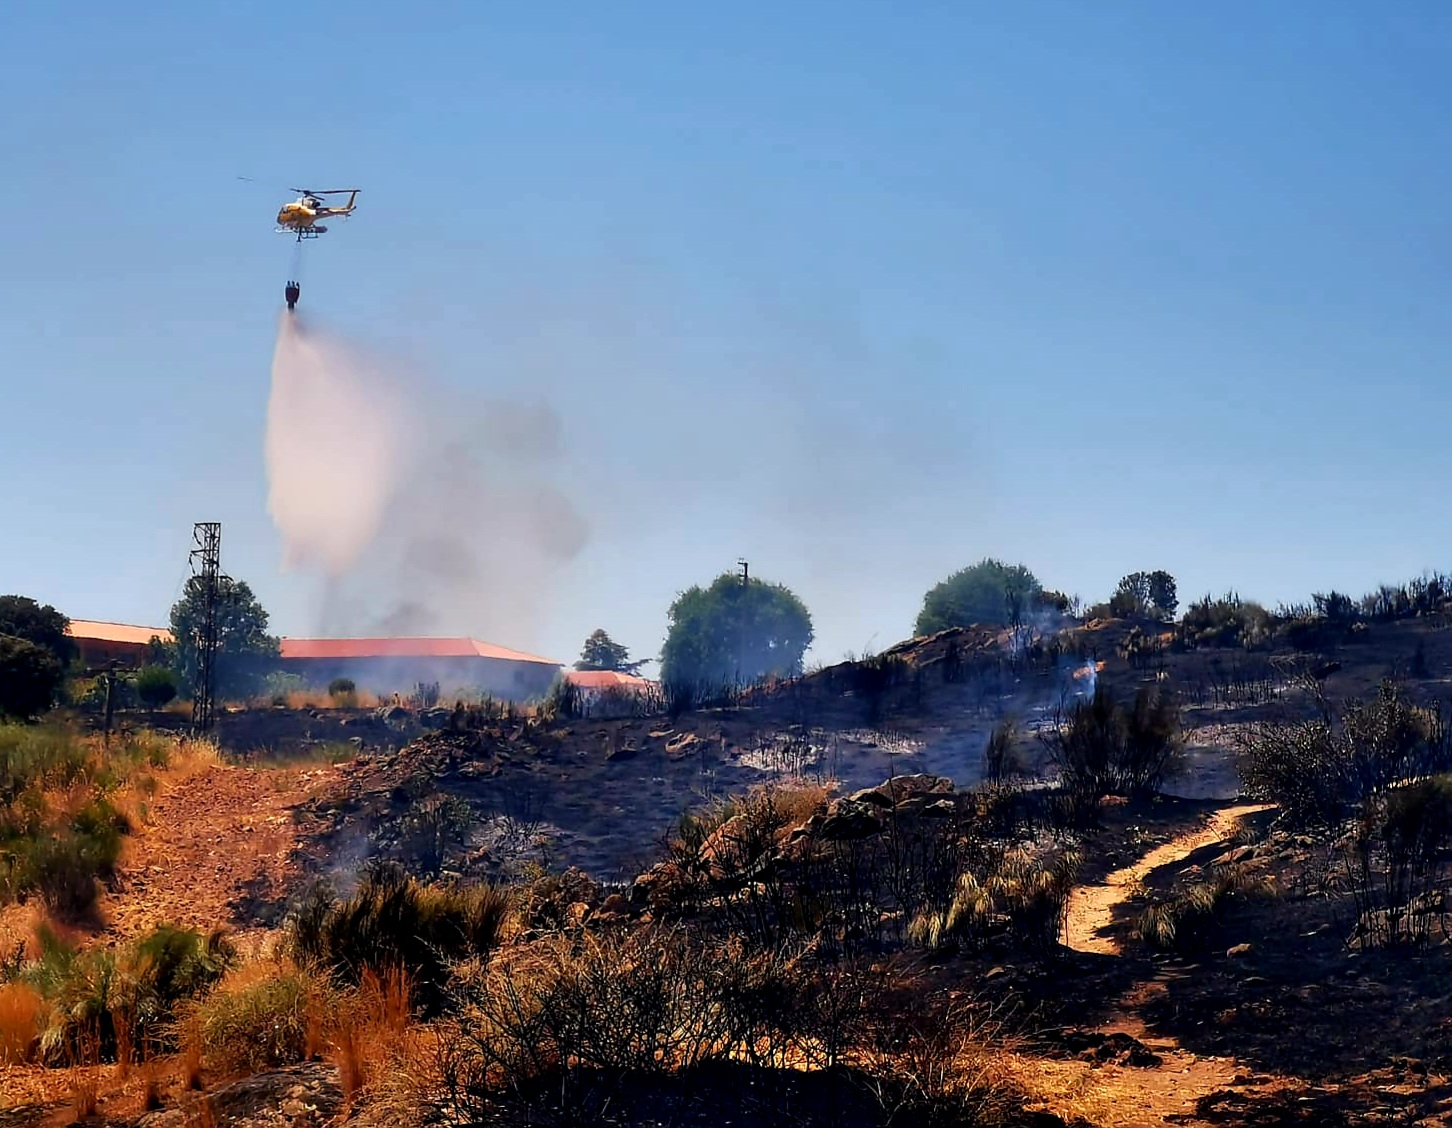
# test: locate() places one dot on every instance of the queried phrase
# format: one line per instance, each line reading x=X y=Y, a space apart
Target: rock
x=942 y=809
x=302 y=1096
x=847 y=821
x=576 y=914
x=624 y=752
x=1238 y=951
x=615 y=905
x=435 y=718
x=1236 y=856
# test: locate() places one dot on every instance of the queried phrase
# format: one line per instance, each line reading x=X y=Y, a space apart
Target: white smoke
x=426 y=514
x=339 y=439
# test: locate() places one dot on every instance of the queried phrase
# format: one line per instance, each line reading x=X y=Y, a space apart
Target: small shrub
x=1187 y=921
x=262 y=1024
x=342 y=687
x=1101 y=748
x=1396 y=862
x=395 y=921
x=115 y=999
x=1001 y=757
x=156 y=686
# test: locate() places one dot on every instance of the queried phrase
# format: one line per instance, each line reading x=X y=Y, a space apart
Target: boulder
x=848 y=820
x=301 y=1096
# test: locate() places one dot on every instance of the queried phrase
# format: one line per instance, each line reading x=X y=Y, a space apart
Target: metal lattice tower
x=206 y=561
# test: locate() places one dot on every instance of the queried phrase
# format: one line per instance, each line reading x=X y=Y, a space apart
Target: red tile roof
x=605 y=679
x=92 y=630
x=403 y=648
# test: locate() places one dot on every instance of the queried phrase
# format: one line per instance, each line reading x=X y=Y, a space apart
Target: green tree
x=1163 y=596
x=601 y=652
x=734 y=632
x=155 y=685
x=30 y=678
x=990 y=593
x=1145 y=594
x=245 y=651
x=23 y=617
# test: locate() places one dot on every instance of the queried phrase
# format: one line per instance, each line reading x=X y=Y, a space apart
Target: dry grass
x=372 y=1031
x=21 y=1010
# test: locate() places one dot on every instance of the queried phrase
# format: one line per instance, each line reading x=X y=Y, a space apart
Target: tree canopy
x=47 y=628
x=990 y=593
x=245 y=651
x=1150 y=594
x=735 y=632
x=601 y=652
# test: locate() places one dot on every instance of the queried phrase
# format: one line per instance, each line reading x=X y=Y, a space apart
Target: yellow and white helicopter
x=302 y=215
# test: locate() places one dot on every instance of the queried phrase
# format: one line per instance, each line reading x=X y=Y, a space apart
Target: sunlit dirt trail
x=1091 y=907
x=1135 y=1097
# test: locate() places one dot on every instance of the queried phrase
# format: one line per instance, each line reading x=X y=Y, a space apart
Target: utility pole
x=108 y=671
x=745 y=572
x=206 y=562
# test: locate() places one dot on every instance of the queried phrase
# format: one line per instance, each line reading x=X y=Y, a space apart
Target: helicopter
x=302 y=215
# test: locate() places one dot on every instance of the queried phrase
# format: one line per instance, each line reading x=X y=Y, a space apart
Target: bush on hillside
x=1102 y=748
x=342 y=687
x=118 y=1000
x=989 y=593
x=264 y=1023
x=30 y=679
x=393 y=921
x=156 y=686
x=1225 y=622
x=1320 y=771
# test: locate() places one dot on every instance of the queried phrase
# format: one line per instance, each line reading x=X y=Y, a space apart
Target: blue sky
x=862 y=292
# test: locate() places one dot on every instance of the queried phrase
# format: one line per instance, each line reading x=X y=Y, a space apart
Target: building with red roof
x=100 y=643
x=397 y=665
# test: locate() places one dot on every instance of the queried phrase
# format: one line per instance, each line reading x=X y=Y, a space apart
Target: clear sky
x=862 y=292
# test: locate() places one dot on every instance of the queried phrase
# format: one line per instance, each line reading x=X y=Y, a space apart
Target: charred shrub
x=1102 y=748
x=393 y=921
x=434 y=826
x=568 y=1032
x=1321 y=771
x=1001 y=756
x=1397 y=863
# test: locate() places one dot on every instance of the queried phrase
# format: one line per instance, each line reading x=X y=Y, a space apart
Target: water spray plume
x=338 y=441
x=425 y=512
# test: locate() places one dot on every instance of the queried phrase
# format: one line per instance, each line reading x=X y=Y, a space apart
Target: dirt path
x=1091 y=907
x=216 y=838
x=1129 y=1097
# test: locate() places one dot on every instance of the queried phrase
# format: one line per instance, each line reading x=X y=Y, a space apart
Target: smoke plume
x=425 y=513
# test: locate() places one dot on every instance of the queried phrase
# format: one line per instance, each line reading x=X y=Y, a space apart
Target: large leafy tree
x=989 y=593
x=43 y=625
x=601 y=652
x=245 y=651
x=735 y=632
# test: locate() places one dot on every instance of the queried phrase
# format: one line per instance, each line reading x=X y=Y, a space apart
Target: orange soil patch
x=215 y=837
